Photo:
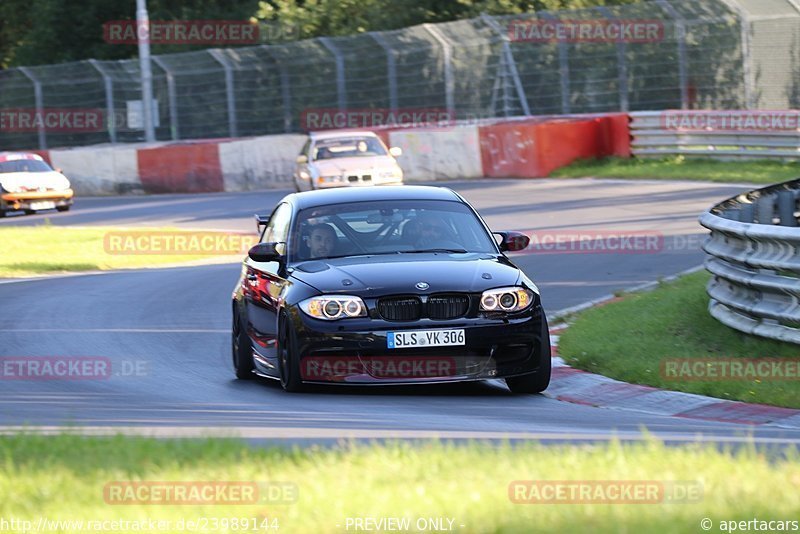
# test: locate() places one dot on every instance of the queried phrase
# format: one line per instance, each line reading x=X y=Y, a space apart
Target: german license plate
x=424 y=338
x=43 y=205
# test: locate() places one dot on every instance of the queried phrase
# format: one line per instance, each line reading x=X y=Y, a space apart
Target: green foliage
x=38 y=32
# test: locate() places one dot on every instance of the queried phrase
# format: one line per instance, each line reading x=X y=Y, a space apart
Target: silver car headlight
x=334 y=307
x=11 y=189
x=506 y=299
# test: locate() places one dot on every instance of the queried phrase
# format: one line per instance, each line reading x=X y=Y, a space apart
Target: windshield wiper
x=355 y=255
x=428 y=250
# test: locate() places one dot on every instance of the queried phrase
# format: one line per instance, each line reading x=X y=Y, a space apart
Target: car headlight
x=331 y=178
x=506 y=299
x=333 y=307
x=11 y=189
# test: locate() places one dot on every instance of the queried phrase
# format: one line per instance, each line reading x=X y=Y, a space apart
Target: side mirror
x=264 y=252
x=513 y=241
x=396 y=151
x=302 y=158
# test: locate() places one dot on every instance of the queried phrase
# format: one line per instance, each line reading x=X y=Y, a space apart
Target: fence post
x=747 y=71
x=341 y=82
x=622 y=66
x=391 y=68
x=683 y=63
x=171 y=97
x=510 y=62
x=229 y=88
x=109 y=87
x=286 y=95
x=449 y=82
x=39 y=102
x=563 y=68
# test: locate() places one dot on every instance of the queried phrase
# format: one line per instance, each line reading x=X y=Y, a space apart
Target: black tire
x=288 y=361
x=2 y=213
x=30 y=212
x=538 y=381
x=241 y=351
x=62 y=208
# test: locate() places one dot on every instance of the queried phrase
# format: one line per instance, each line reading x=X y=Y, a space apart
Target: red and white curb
x=581 y=387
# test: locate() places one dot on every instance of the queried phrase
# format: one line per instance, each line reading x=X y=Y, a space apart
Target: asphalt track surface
x=166 y=331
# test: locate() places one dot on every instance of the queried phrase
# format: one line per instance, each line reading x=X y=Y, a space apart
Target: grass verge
x=63 y=478
x=51 y=249
x=632 y=338
x=681 y=168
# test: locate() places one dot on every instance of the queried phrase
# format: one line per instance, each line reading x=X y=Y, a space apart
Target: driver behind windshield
x=322 y=240
x=433 y=233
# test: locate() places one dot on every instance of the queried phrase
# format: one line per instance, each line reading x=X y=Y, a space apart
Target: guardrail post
x=229 y=90
x=171 y=97
x=786 y=208
x=341 y=82
x=391 y=68
x=39 y=103
x=449 y=81
x=747 y=213
x=509 y=57
x=109 y=87
x=766 y=209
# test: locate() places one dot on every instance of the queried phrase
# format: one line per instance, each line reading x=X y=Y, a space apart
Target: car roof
x=341 y=134
x=342 y=195
x=13 y=156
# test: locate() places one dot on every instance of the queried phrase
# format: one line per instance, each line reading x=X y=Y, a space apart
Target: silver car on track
x=339 y=159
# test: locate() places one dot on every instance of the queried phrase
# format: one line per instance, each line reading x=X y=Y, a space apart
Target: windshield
x=24 y=165
x=348 y=147
x=387 y=227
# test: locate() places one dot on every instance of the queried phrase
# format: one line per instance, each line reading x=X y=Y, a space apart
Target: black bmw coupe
x=389 y=285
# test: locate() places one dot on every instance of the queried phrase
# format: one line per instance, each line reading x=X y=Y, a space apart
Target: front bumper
x=32 y=199
x=354 y=351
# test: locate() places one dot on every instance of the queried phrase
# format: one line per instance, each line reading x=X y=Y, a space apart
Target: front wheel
x=538 y=381
x=241 y=351
x=289 y=360
x=62 y=208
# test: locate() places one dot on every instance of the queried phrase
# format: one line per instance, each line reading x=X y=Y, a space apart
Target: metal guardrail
x=754 y=251
x=650 y=136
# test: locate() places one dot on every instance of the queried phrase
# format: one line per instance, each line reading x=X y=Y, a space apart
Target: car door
x=264 y=285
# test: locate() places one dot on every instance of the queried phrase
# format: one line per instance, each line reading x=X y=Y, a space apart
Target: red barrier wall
x=535 y=149
x=184 y=168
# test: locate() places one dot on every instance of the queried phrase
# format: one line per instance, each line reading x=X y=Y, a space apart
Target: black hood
x=392 y=274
